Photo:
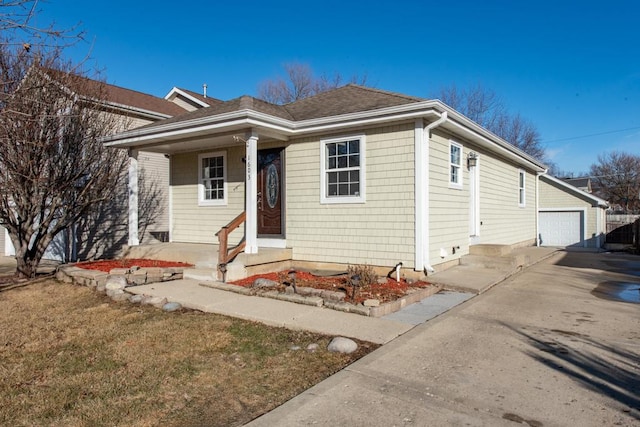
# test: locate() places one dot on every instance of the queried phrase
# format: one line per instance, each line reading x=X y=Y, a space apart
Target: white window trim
x=522 y=203
x=455 y=185
x=201 y=199
x=324 y=199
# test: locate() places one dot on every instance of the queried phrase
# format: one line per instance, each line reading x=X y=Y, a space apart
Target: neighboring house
x=354 y=175
x=189 y=100
x=583 y=184
x=105 y=235
x=570 y=217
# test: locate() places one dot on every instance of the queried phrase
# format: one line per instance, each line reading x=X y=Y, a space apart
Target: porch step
x=494 y=262
x=490 y=250
x=200 y=274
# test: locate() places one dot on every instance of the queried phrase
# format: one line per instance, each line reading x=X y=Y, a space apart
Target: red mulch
x=108 y=265
x=386 y=292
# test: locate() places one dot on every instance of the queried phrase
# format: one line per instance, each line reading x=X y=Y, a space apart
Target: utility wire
x=590 y=135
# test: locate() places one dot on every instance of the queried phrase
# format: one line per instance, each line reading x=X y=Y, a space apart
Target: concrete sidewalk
x=540 y=349
x=191 y=294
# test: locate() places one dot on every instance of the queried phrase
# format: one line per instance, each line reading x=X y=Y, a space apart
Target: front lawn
x=72 y=357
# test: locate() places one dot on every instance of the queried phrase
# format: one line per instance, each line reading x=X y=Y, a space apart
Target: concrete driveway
x=540 y=349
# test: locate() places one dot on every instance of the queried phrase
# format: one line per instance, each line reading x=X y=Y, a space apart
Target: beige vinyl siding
x=187 y=105
x=449 y=207
x=377 y=232
x=554 y=196
x=199 y=224
x=154 y=183
x=503 y=221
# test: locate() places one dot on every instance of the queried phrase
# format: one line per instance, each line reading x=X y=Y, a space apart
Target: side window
x=455 y=165
x=212 y=181
x=342 y=170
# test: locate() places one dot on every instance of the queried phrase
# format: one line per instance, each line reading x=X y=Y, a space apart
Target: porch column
x=133 y=198
x=251 y=194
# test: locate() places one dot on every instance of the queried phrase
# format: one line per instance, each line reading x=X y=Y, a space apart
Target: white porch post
x=133 y=198
x=251 y=193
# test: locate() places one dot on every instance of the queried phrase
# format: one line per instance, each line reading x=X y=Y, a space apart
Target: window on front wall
x=521 y=189
x=212 y=187
x=455 y=165
x=342 y=169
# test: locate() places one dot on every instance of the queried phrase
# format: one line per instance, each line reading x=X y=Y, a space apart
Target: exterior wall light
x=472 y=159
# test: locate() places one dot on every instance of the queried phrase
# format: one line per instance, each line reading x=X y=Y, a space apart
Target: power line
x=590 y=135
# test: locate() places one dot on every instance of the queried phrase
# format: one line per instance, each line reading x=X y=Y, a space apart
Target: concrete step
x=493 y=262
x=201 y=274
x=490 y=250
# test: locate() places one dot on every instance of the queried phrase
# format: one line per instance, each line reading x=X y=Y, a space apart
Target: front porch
x=204 y=257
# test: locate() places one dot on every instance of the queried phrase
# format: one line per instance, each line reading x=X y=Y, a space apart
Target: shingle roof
x=346 y=99
x=343 y=100
x=118 y=95
x=207 y=100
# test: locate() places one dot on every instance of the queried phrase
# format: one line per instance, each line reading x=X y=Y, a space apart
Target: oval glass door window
x=272 y=186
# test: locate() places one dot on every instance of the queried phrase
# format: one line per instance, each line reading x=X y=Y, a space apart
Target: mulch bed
x=107 y=265
x=384 y=292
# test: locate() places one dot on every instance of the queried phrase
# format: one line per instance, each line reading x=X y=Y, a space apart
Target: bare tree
x=485 y=107
x=53 y=168
x=17 y=28
x=616 y=178
x=300 y=83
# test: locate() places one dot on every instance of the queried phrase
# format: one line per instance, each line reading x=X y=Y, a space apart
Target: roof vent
x=204 y=90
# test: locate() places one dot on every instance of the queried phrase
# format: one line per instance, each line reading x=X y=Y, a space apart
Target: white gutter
x=422 y=140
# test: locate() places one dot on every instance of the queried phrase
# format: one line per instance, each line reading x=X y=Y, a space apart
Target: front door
x=270 y=185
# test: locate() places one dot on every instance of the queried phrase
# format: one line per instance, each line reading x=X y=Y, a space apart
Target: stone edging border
x=317 y=301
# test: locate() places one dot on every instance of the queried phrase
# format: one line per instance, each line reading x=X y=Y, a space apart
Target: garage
x=561 y=228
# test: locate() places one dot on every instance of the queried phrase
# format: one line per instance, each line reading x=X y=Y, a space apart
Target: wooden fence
x=623 y=229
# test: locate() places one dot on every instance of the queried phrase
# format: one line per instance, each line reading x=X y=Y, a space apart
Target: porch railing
x=224 y=255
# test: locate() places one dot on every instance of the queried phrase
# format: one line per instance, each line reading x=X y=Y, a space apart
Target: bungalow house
x=569 y=216
x=110 y=232
x=350 y=176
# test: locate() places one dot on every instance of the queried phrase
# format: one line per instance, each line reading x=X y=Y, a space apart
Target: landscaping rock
x=312 y=348
x=157 y=302
x=371 y=303
x=294 y=348
x=115 y=283
x=135 y=299
x=172 y=306
x=119 y=271
x=264 y=283
x=342 y=345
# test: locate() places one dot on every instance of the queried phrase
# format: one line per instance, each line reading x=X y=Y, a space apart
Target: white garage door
x=564 y=228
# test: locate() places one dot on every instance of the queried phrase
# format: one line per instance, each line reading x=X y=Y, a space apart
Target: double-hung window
x=342 y=170
x=212 y=182
x=455 y=165
x=521 y=189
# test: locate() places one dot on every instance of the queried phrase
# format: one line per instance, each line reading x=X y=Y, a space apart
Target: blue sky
x=572 y=68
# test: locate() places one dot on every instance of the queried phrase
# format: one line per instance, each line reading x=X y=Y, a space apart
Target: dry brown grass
x=71 y=357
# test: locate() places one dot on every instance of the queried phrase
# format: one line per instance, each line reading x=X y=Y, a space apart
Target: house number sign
x=272 y=186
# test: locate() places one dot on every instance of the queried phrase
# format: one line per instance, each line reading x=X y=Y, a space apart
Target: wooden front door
x=270 y=185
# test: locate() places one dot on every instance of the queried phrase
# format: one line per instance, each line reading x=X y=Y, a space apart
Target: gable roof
x=193 y=97
x=575 y=190
x=579 y=182
x=337 y=110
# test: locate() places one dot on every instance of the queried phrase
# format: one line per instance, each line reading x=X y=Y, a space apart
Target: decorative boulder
x=342 y=345
x=172 y=306
x=115 y=283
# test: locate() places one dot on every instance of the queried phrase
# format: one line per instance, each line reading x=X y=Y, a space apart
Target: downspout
x=538 y=206
x=422 y=194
